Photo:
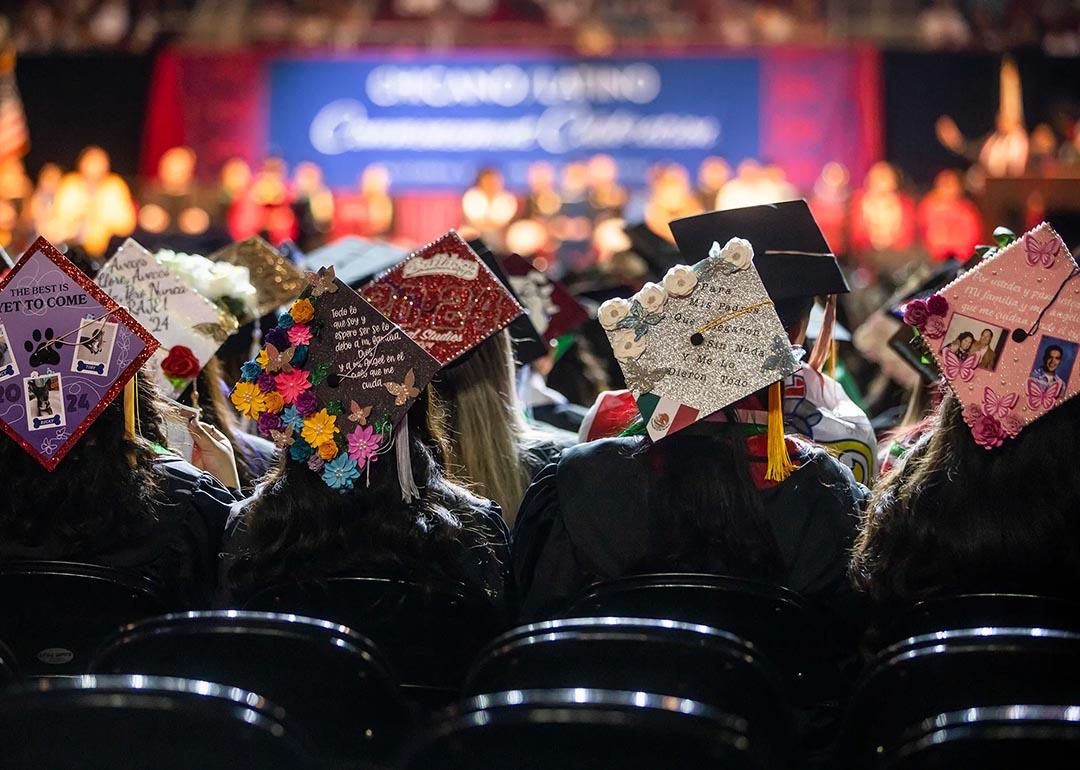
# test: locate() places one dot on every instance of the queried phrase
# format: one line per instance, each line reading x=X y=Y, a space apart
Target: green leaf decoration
x=383 y=425
x=1003 y=236
x=342 y=442
x=319 y=373
x=334 y=407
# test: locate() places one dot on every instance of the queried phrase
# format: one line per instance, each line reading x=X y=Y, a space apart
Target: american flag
x=14 y=135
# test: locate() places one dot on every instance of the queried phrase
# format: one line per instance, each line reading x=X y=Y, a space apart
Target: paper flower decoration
x=181 y=363
x=292 y=419
x=302 y=311
x=363 y=444
x=300 y=451
x=319 y=428
x=340 y=473
x=626 y=345
x=291 y=385
x=651 y=297
x=249 y=400
x=299 y=334
x=307 y=404
x=328 y=450
x=250 y=371
x=268 y=423
x=613 y=311
x=274 y=402
x=680 y=281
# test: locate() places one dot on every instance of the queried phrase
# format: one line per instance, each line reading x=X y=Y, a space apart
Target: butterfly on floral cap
x=1005 y=334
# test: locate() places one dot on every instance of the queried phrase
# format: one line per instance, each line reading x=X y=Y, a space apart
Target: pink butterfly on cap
x=1040 y=397
x=1044 y=254
x=956 y=369
x=995 y=406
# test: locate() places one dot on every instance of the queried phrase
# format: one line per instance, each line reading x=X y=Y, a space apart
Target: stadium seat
x=664 y=657
x=9 y=665
x=948 y=671
x=330 y=680
x=430 y=631
x=980 y=611
x=53 y=614
x=991 y=738
x=138 y=722
x=777 y=621
x=585 y=729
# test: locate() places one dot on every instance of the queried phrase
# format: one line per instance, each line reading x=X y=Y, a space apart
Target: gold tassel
x=780 y=465
x=131 y=402
x=834 y=351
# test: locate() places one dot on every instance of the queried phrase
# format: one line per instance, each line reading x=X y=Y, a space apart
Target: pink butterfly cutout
x=1037 y=396
x=1040 y=253
x=957 y=369
x=993 y=406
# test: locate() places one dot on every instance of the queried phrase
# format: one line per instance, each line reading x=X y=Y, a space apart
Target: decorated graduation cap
x=355 y=260
x=333 y=383
x=1006 y=334
x=528 y=342
x=189 y=327
x=444 y=297
x=276 y=279
x=553 y=309
x=704 y=338
x=66 y=350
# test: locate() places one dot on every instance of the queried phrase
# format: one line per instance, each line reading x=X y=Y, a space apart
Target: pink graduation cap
x=66 y=351
x=1006 y=335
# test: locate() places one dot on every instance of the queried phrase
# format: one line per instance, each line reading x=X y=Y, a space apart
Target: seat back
x=53 y=614
x=584 y=729
x=430 y=631
x=953 y=670
x=991 y=738
x=776 y=620
x=330 y=680
x=981 y=611
x=123 y=723
x=634 y=654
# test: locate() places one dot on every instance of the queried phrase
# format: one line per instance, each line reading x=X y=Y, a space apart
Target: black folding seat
x=585 y=729
x=431 y=631
x=138 y=722
x=330 y=680
x=641 y=655
x=54 y=614
x=9 y=666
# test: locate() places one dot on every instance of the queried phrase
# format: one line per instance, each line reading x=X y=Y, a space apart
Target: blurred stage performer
x=233 y=183
x=753 y=185
x=829 y=202
x=713 y=173
x=93 y=204
x=882 y=220
x=1005 y=151
x=949 y=223
x=266 y=209
x=671 y=197
x=543 y=200
x=16 y=190
x=573 y=225
x=313 y=205
x=368 y=213
x=488 y=208
x=42 y=209
x=174 y=203
x=606 y=196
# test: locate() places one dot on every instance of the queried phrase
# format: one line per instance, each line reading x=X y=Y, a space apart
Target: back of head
x=957 y=517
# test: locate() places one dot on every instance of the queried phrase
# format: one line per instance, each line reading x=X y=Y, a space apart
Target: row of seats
x=734 y=696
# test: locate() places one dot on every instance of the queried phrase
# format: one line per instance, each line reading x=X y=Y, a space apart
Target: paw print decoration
x=59 y=386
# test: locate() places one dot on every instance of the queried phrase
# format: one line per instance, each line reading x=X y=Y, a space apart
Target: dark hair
x=793 y=312
x=956 y=517
x=709 y=513
x=987 y=330
x=961 y=336
x=102 y=494
x=300 y=529
x=1046 y=353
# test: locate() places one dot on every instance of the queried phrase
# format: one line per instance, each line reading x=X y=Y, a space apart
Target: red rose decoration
x=181 y=363
x=988 y=432
x=915 y=313
x=937 y=304
x=934 y=328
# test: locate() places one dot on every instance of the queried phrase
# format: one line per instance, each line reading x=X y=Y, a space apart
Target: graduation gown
x=586 y=519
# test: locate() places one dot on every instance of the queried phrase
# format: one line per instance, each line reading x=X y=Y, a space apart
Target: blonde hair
x=487 y=442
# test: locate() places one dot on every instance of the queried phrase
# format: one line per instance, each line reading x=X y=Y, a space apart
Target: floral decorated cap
x=67 y=349
x=444 y=297
x=333 y=381
x=227 y=286
x=1006 y=334
x=277 y=280
x=700 y=340
x=189 y=327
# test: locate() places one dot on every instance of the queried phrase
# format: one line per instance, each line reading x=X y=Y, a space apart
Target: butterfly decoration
x=779 y=355
x=639 y=379
x=957 y=368
x=1039 y=397
x=639 y=321
x=218 y=332
x=709 y=267
x=359 y=414
x=405 y=390
x=995 y=406
x=322 y=282
x=281 y=438
x=279 y=361
x=1044 y=254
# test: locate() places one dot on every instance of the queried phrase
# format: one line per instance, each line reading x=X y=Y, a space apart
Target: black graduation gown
x=585 y=519
x=178 y=552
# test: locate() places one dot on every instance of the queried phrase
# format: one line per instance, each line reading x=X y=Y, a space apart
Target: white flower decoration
x=651 y=297
x=680 y=281
x=213 y=280
x=613 y=311
x=625 y=346
x=738 y=253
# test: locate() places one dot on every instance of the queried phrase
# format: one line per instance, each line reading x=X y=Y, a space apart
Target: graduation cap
x=189 y=327
x=525 y=333
x=67 y=349
x=1004 y=335
x=277 y=280
x=553 y=309
x=444 y=297
x=334 y=382
x=355 y=260
x=704 y=338
x=659 y=253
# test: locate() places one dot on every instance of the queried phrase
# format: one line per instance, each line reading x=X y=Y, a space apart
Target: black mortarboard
x=355 y=260
x=658 y=253
x=790 y=252
x=529 y=345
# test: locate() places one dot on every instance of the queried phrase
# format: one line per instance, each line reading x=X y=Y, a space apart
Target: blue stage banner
x=434 y=121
